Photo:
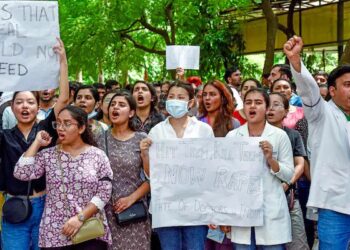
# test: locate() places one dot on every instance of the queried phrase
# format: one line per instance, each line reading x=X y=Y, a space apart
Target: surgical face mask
x=176 y=108
x=92 y=115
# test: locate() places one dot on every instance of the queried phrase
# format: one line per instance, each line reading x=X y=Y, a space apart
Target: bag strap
x=28 y=190
x=106 y=143
x=62 y=183
x=63 y=186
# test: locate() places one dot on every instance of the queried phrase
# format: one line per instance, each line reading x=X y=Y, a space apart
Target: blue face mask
x=176 y=108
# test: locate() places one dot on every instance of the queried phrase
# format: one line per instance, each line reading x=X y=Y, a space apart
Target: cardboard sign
x=186 y=57
x=28 y=31
x=206 y=181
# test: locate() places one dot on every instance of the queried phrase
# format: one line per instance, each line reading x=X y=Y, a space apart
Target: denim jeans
x=333 y=230
x=24 y=235
x=182 y=238
x=253 y=245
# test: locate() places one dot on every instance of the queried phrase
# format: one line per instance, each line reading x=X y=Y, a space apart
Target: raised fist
x=293 y=47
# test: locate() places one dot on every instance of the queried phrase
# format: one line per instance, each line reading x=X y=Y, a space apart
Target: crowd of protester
x=84 y=154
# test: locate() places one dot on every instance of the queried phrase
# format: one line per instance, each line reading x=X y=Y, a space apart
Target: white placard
x=186 y=57
x=28 y=31
x=207 y=181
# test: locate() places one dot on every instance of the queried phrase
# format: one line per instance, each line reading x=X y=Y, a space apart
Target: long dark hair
x=132 y=104
x=82 y=119
x=153 y=92
x=223 y=121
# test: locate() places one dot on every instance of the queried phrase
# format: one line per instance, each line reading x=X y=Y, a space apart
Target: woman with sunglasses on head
x=278 y=110
x=25 y=106
x=78 y=179
x=179 y=124
x=122 y=144
x=276 y=147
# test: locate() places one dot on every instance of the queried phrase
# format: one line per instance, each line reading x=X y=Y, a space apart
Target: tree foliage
x=119 y=37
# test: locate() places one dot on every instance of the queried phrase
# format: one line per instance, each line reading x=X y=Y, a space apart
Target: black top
x=296 y=141
x=13 y=145
x=152 y=120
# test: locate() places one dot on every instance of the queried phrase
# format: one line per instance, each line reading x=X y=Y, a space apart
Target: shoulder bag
x=17 y=209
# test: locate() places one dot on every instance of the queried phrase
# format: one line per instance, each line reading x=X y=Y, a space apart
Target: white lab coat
x=329 y=145
x=277 y=225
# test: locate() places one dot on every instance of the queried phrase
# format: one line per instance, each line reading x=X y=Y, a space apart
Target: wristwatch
x=81 y=217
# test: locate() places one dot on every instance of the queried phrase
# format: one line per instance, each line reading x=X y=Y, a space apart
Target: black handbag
x=136 y=213
x=17 y=209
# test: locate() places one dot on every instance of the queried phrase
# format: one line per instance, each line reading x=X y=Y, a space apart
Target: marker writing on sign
x=13 y=69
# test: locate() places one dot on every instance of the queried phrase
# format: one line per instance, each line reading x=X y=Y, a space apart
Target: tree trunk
x=79 y=76
x=345 y=58
x=100 y=73
x=271 y=24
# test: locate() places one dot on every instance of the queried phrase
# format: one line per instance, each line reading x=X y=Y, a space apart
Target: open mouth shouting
x=115 y=115
x=252 y=113
x=25 y=114
x=140 y=99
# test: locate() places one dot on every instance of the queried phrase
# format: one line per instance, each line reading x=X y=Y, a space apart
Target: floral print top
x=86 y=178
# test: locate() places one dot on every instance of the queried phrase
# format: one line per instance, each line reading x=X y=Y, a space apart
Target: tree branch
x=169 y=14
x=142 y=47
x=156 y=30
x=126 y=29
x=283 y=28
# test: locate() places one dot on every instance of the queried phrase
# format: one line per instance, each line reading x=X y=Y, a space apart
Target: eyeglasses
x=276 y=106
x=64 y=125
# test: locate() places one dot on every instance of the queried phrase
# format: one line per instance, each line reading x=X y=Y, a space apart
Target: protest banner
x=207 y=181
x=186 y=57
x=28 y=31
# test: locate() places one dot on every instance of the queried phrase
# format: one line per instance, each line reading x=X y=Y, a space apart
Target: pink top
x=86 y=178
x=293 y=117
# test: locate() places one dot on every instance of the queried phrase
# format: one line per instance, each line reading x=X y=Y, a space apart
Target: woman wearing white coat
x=277 y=150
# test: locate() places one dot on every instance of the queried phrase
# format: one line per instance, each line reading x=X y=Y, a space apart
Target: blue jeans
x=24 y=235
x=253 y=245
x=333 y=230
x=182 y=238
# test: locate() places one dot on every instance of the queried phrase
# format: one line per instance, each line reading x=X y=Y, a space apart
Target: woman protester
x=122 y=144
x=179 y=124
x=78 y=179
x=278 y=110
x=295 y=120
x=295 y=113
x=247 y=84
x=217 y=108
x=87 y=98
x=22 y=233
x=106 y=99
x=276 y=147
x=147 y=115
